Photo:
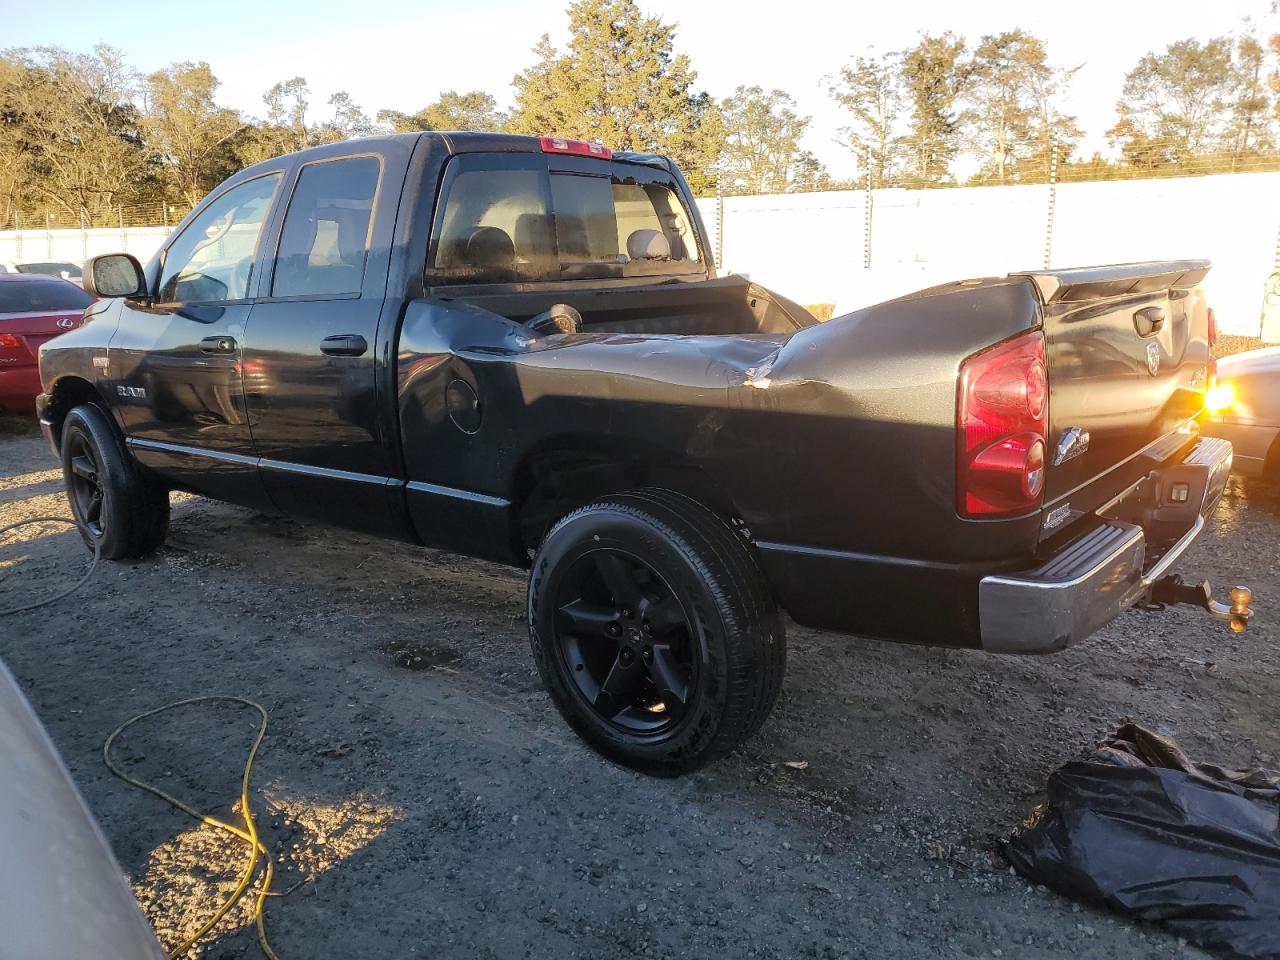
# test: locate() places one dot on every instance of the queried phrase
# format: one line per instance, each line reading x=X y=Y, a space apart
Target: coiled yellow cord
x=249 y=834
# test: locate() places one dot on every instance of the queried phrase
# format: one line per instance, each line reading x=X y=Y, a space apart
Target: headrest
x=490 y=247
x=648 y=245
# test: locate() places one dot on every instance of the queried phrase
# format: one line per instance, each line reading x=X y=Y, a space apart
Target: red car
x=33 y=309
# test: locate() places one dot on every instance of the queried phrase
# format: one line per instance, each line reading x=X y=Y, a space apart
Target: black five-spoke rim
x=86 y=484
x=626 y=641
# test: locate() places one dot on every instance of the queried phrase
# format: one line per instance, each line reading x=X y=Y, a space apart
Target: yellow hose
x=249 y=834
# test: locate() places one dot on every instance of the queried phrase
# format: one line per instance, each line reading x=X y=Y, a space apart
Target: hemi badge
x=102 y=363
x=1073 y=442
x=1057 y=516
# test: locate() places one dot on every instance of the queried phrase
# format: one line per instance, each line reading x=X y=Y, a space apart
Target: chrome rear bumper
x=1092 y=580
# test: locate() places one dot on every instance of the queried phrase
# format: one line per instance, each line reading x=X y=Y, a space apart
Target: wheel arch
x=565 y=473
x=68 y=392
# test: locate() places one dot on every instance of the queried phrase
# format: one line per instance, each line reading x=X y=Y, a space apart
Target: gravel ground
x=421 y=784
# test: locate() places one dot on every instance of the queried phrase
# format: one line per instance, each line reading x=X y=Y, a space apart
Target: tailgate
x=1128 y=354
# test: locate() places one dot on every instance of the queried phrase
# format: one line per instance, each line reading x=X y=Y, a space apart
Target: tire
x=654 y=630
x=114 y=503
x=1271 y=466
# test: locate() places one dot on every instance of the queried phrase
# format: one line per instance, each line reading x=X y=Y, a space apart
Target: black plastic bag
x=1142 y=829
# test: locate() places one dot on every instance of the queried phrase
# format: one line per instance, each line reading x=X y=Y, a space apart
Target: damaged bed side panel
x=813 y=438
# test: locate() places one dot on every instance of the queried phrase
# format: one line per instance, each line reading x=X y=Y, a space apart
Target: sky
x=401 y=55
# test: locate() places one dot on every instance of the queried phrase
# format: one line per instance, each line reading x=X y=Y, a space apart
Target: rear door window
x=325 y=240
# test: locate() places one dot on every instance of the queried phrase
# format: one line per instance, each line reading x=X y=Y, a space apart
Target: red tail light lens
x=9 y=342
x=579 y=147
x=1002 y=417
x=1213 y=327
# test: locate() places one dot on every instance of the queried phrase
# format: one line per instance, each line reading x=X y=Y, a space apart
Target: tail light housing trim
x=1002 y=421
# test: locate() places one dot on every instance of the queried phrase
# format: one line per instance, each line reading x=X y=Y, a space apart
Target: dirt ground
x=420 y=782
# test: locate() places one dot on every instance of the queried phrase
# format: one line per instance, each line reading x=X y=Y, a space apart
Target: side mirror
x=114 y=275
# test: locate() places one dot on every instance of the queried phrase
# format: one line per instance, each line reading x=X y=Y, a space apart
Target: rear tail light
x=580 y=147
x=1002 y=417
x=9 y=342
x=1213 y=327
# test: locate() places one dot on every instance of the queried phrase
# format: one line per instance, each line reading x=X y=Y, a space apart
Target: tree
x=190 y=132
x=1250 y=126
x=348 y=122
x=285 y=128
x=872 y=91
x=762 y=134
x=935 y=76
x=619 y=81
x=1012 y=115
x=1174 y=104
x=475 y=110
x=78 y=126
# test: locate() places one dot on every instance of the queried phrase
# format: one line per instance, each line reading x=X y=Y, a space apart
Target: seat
x=490 y=250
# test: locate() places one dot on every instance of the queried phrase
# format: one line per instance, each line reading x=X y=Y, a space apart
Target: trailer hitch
x=1172 y=589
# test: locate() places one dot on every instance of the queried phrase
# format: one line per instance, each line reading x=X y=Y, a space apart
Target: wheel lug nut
x=626 y=613
x=647 y=627
x=615 y=630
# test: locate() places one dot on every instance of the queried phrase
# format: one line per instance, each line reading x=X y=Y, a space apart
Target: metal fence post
x=866 y=227
x=48 y=235
x=17 y=237
x=84 y=238
x=719 y=225
x=1053 y=202
x=124 y=237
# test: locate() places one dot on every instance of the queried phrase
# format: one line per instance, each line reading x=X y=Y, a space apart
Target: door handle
x=344 y=345
x=219 y=346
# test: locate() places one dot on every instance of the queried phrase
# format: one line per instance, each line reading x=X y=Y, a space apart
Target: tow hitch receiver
x=1172 y=589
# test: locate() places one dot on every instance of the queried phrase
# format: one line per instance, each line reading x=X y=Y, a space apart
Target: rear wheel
x=118 y=509
x=655 y=631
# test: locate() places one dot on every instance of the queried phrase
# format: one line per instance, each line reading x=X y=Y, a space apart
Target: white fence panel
x=811 y=246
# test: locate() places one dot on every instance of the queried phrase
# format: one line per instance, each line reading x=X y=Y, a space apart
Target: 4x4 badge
x=1153 y=357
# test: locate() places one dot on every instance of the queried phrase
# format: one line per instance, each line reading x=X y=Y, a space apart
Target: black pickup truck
x=518 y=348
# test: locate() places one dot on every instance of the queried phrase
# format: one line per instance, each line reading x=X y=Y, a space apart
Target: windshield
x=506 y=218
x=52 y=296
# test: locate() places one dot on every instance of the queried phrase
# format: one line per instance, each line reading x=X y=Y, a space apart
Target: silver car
x=1245 y=409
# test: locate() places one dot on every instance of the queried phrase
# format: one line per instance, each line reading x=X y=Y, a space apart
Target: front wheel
x=655 y=631
x=118 y=509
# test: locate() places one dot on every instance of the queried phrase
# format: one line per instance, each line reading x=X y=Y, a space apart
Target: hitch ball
x=1172 y=589
x=1239 y=611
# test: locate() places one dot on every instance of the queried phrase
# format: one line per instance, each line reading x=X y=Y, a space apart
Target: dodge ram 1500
x=518 y=348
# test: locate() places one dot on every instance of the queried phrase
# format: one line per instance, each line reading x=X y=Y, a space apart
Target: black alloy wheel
x=120 y=509
x=654 y=630
x=626 y=641
x=85 y=484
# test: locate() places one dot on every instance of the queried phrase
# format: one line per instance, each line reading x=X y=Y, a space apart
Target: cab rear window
x=506 y=218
